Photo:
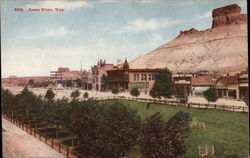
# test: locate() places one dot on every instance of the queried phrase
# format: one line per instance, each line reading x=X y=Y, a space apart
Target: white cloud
x=66 y=5
x=203 y=16
x=55 y=32
x=141 y=25
x=188 y=2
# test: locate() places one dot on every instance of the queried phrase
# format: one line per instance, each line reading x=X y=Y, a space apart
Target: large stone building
x=125 y=79
x=97 y=72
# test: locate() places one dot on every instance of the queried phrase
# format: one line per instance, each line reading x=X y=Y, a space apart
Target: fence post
x=215 y=106
x=223 y=107
x=206 y=106
x=233 y=108
x=243 y=109
x=59 y=147
x=52 y=143
x=67 y=150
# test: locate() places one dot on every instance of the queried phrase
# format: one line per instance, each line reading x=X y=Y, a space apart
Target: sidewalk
x=19 y=144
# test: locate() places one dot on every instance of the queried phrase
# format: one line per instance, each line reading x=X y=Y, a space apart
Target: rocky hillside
x=220 y=48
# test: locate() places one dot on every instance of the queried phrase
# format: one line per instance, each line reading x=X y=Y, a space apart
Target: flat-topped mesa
x=228 y=15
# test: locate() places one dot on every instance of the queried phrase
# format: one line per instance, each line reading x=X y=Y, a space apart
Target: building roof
x=207 y=80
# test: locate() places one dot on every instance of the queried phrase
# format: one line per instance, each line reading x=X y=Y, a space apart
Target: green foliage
x=114 y=91
x=75 y=94
x=86 y=95
x=7 y=102
x=78 y=82
x=104 y=82
x=49 y=95
x=232 y=156
x=181 y=94
x=153 y=135
x=120 y=129
x=135 y=92
x=162 y=139
x=163 y=84
x=69 y=83
x=210 y=94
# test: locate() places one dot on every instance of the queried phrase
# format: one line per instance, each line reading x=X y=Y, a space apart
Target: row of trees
x=103 y=130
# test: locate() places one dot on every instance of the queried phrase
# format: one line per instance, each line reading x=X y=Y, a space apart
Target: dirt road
x=19 y=144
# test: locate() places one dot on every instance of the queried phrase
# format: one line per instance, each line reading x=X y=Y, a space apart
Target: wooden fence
x=60 y=147
x=243 y=109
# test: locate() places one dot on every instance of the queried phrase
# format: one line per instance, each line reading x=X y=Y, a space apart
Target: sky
x=33 y=43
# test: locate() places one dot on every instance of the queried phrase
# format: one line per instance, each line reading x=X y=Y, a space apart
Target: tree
x=163 y=84
x=49 y=95
x=69 y=83
x=119 y=131
x=31 y=82
x=210 y=95
x=181 y=94
x=152 y=138
x=104 y=82
x=78 y=82
x=161 y=139
x=135 y=92
x=178 y=130
x=86 y=95
x=114 y=91
x=75 y=94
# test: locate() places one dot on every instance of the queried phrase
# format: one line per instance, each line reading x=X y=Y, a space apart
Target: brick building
x=125 y=79
x=97 y=72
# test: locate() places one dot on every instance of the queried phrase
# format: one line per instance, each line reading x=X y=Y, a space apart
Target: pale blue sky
x=34 y=43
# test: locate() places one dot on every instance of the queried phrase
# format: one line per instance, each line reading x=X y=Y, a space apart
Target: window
x=143 y=77
x=153 y=76
x=149 y=77
x=136 y=77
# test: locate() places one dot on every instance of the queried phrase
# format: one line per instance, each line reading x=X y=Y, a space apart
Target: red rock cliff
x=228 y=15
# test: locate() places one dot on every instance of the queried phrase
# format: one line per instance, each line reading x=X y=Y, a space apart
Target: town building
x=183 y=80
x=125 y=79
x=233 y=86
x=97 y=72
x=202 y=83
x=63 y=74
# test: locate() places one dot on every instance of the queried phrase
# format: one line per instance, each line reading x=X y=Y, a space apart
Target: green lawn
x=226 y=131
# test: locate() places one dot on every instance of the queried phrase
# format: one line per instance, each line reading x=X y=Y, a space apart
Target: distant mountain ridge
x=220 y=48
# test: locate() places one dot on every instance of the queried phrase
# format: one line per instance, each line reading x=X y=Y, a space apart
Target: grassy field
x=226 y=131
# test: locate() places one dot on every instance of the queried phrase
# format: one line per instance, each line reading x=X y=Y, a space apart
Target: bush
x=75 y=94
x=86 y=95
x=114 y=91
x=210 y=95
x=135 y=92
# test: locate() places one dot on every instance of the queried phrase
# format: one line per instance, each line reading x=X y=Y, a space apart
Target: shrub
x=135 y=92
x=210 y=95
x=75 y=94
x=86 y=95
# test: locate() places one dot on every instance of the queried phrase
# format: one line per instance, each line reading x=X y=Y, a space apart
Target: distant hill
x=220 y=48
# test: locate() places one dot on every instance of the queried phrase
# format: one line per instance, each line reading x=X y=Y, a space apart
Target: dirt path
x=19 y=144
